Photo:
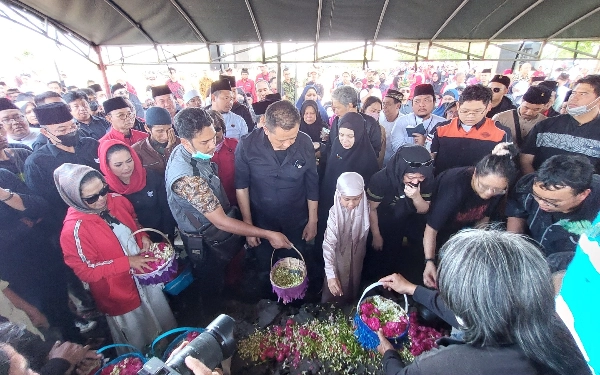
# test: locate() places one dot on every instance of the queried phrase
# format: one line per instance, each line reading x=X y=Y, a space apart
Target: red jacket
x=225 y=159
x=95 y=254
x=136 y=136
x=248 y=86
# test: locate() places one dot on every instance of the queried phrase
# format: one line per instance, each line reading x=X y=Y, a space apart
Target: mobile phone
x=417 y=129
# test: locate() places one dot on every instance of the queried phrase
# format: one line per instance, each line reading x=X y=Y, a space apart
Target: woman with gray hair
x=98 y=245
x=499 y=287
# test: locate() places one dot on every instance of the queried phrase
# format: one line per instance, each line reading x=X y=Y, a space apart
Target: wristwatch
x=429 y=260
x=10 y=195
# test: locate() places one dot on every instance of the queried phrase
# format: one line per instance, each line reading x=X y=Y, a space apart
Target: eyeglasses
x=551 y=204
x=120 y=92
x=94 y=198
x=13 y=120
x=496 y=89
x=418 y=164
x=471 y=113
x=494 y=190
x=124 y=116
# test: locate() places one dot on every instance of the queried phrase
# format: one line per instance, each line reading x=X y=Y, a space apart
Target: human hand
x=74 y=353
x=398 y=283
x=171 y=139
x=37 y=318
x=377 y=242
x=146 y=243
x=419 y=139
x=384 y=344
x=198 y=368
x=90 y=362
x=252 y=241
x=430 y=275
x=335 y=287
x=310 y=231
x=140 y=262
x=412 y=191
x=279 y=241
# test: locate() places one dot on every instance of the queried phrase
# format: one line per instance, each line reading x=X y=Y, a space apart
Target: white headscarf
x=356 y=221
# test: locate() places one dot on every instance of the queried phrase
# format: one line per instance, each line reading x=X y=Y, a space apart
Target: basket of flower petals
x=164 y=268
x=124 y=364
x=376 y=312
x=289 y=278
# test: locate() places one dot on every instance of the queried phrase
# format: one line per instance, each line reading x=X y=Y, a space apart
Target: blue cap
x=157 y=116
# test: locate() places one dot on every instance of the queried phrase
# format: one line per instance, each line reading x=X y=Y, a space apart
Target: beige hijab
x=354 y=223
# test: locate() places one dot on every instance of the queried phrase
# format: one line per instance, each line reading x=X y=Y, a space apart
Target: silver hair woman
x=499 y=286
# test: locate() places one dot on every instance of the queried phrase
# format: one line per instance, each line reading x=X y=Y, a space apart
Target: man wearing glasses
x=500 y=102
x=119 y=89
x=555 y=203
x=465 y=140
x=66 y=145
x=121 y=118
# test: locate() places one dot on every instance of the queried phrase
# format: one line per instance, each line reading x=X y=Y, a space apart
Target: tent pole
x=279 y=86
x=102 y=68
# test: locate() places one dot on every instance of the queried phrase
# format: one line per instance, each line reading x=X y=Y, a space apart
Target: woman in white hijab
x=345 y=240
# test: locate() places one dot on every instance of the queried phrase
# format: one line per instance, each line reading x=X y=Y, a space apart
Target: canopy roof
x=144 y=22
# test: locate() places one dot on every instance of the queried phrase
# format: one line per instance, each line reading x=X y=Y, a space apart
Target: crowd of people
x=346 y=186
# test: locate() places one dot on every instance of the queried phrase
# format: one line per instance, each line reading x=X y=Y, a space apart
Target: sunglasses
x=94 y=198
x=496 y=89
x=418 y=164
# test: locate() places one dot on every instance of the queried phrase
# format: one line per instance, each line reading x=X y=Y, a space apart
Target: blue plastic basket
x=365 y=336
x=182 y=281
x=135 y=353
x=183 y=331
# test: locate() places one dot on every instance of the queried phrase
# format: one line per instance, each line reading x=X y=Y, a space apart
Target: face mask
x=200 y=156
x=70 y=139
x=582 y=109
x=370 y=86
x=94 y=105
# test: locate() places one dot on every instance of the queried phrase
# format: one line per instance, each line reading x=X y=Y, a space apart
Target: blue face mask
x=200 y=156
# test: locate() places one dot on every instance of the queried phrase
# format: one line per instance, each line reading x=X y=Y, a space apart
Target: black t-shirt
x=551 y=229
x=455 y=205
x=381 y=190
x=151 y=206
x=563 y=135
x=280 y=154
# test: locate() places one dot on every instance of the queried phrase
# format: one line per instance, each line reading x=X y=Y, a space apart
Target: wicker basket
x=367 y=337
x=288 y=294
x=166 y=271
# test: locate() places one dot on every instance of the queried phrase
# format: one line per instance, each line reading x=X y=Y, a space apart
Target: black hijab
x=313 y=130
x=398 y=166
x=360 y=158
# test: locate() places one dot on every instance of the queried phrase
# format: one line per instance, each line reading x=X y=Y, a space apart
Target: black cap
x=550 y=85
x=115 y=87
x=538 y=79
x=260 y=108
x=160 y=91
x=486 y=71
x=537 y=95
x=114 y=103
x=424 y=89
x=244 y=70
x=96 y=87
x=222 y=84
x=231 y=79
x=53 y=113
x=505 y=80
x=6 y=104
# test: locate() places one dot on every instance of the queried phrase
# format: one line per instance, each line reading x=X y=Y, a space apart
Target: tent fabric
x=112 y=22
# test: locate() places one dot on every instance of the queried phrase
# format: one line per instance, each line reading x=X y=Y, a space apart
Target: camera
x=211 y=347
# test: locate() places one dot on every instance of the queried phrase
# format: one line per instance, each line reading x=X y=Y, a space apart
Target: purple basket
x=289 y=294
x=166 y=272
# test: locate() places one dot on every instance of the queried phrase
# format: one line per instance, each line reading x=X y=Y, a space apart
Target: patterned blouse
x=196 y=190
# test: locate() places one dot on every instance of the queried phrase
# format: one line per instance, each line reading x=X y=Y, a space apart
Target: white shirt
x=400 y=136
x=235 y=124
x=388 y=126
x=28 y=140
